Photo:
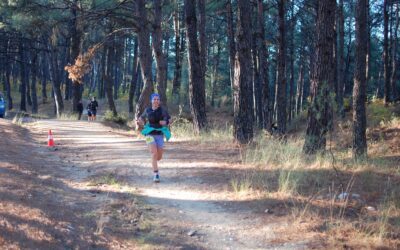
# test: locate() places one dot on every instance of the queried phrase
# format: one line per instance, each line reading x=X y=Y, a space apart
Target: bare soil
x=94 y=190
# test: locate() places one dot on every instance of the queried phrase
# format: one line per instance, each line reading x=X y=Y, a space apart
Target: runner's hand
x=163 y=123
x=139 y=123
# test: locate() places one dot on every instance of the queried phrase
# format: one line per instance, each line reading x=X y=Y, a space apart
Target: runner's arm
x=166 y=118
x=142 y=119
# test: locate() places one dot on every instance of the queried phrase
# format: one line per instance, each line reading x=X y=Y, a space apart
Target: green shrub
x=120 y=119
x=378 y=113
x=347 y=104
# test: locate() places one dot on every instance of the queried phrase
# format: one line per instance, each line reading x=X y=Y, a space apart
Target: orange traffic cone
x=50 y=141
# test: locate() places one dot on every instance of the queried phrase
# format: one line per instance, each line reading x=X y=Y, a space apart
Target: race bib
x=149 y=139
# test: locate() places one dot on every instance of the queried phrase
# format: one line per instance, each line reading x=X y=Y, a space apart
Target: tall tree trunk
x=45 y=74
x=93 y=77
x=393 y=79
x=216 y=60
x=263 y=68
x=7 y=73
x=118 y=67
x=126 y=58
x=7 y=87
x=367 y=67
x=144 y=58
x=347 y=81
x=312 y=57
x=340 y=61
x=33 y=84
x=56 y=79
x=167 y=39
x=158 y=52
x=231 y=41
x=299 y=90
x=100 y=87
x=15 y=73
x=215 y=75
x=291 y=58
x=76 y=36
x=257 y=90
x=22 y=56
x=139 y=85
x=129 y=66
x=115 y=66
x=386 y=52
x=281 y=78
x=275 y=103
x=390 y=44
x=323 y=80
x=97 y=79
x=108 y=81
x=27 y=74
x=67 y=81
x=196 y=77
x=176 y=84
x=307 y=57
x=135 y=73
x=202 y=36
x=243 y=96
x=359 y=90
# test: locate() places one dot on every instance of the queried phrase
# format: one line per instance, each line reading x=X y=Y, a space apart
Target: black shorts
x=91 y=112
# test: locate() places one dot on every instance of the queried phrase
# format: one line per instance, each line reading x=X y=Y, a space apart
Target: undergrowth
x=120 y=118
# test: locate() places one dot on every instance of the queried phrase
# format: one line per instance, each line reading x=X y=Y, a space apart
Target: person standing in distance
x=89 y=110
x=80 y=109
x=93 y=108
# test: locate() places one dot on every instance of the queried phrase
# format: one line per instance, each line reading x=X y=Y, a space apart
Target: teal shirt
x=147 y=130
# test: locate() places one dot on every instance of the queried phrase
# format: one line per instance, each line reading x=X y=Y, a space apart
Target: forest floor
x=94 y=190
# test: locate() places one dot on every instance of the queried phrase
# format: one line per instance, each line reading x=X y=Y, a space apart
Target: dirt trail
x=191 y=198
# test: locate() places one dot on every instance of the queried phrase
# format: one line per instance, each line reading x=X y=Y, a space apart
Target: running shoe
x=156 y=178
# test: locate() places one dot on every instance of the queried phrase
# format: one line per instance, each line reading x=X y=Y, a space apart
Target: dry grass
x=67 y=116
x=182 y=129
x=310 y=186
x=108 y=179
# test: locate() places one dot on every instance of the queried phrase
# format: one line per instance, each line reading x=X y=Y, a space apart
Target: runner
x=155 y=129
x=89 y=111
x=79 y=107
x=92 y=109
